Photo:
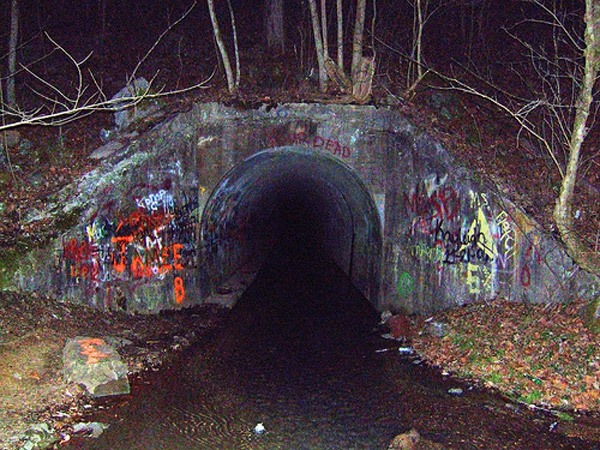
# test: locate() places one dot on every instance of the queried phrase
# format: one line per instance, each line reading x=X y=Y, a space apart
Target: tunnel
x=297 y=201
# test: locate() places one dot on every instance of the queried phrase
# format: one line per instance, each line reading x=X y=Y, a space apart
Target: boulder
x=93 y=363
x=126 y=116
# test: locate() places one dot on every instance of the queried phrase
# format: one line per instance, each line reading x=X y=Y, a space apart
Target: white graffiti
x=162 y=199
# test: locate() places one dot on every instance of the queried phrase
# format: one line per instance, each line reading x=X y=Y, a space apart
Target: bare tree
x=563 y=216
x=560 y=112
x=357 y=39
x=317 y=33
x=11 y=96
x=236 y=49
x=274 y=25
x=340 y=34
x=423 y=10
x=58 y=106
x=324 y=30
x=232 y=83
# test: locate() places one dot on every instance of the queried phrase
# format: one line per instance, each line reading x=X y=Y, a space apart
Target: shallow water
x=299 y=354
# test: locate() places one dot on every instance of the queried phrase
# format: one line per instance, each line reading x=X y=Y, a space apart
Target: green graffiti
x=406 y=284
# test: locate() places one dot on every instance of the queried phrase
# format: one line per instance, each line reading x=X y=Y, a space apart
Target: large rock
x=96 y=365
x=126 y=116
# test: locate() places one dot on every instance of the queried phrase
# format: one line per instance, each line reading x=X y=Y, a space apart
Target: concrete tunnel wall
x=175 y=215
x=318 y=197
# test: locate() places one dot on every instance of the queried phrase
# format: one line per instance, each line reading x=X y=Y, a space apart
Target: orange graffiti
x=89 y=348
x=122 y=242
x=145 y=269
x=177 y=256
x=179 y=290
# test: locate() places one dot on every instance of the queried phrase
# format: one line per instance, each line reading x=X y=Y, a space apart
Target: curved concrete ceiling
x=293 y=198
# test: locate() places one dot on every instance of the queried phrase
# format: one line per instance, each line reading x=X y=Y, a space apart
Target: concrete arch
x=298 y=194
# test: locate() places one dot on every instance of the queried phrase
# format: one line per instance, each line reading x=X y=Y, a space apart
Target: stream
x=300 y=354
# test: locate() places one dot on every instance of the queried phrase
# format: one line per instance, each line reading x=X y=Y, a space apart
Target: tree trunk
x=324 y=29
x=314 y=15
x=581 y=254
x=357 y=39
x=11 y=96
x=221 y=46
x=340 y=36
x=236 y=49
x=274 y=25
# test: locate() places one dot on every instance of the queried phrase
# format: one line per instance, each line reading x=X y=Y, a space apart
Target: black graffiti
x=462 y=247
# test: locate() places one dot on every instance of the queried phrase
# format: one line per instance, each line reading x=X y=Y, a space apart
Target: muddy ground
x=33 y=331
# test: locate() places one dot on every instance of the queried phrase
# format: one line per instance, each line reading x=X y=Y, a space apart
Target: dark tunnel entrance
x=295 y=202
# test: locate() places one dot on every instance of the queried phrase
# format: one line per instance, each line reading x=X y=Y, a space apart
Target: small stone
x=455 y=391
x=405 y=441
x=92 y=429
x=259 y=428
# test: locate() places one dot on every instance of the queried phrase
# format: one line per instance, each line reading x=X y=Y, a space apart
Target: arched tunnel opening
x=295 y=216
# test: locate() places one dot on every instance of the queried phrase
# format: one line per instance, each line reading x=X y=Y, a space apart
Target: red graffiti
x=79 y=252
x=301 y=138
x=141 y=223
x=531 y=254
x=443 y=204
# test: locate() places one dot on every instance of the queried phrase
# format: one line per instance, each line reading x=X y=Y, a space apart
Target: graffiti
x=406 y=284
x=140 y=223
x=302 y=138
x=430 y=201
x=425 y=252
x=179 y=290
x=89 y=348
x=157 y=238
x=478 y=200
x=507 y=240
x=479 y=278
x=472 y=246
x=152 y=202
x=98 y=230
x=531 y=254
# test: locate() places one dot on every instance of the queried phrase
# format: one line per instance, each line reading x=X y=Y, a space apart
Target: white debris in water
x=259 y=428
x=382 y=350
x=455 y=391
x=405 y=350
